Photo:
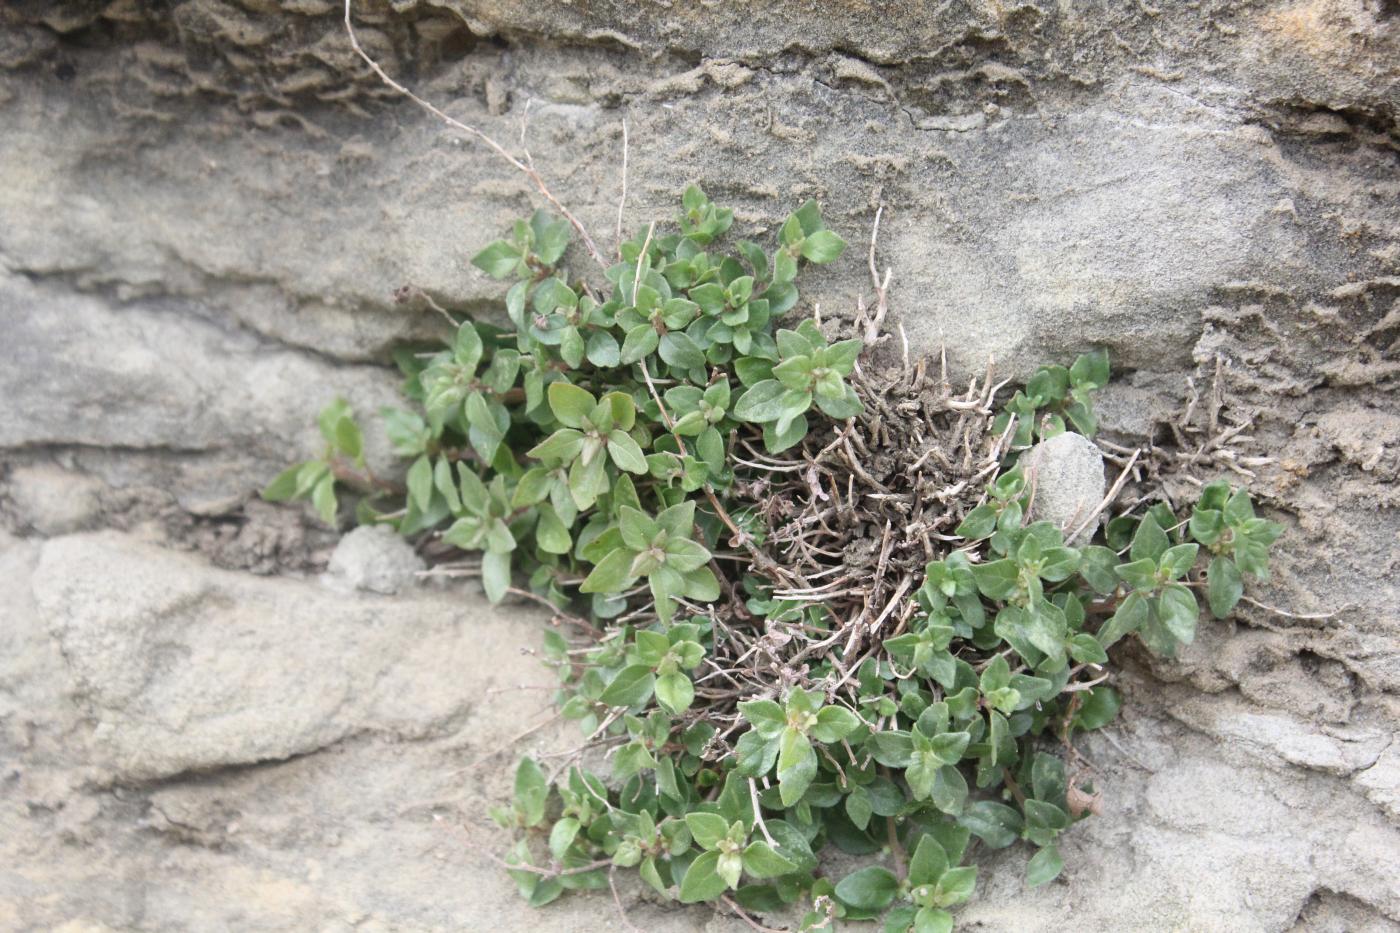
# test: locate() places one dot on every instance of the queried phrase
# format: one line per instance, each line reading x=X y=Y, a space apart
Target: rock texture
x=1067 y=473
x=374 y=559
x=207 y=205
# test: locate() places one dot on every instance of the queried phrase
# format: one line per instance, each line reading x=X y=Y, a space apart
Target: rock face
x=206 y=207
x=184 y=668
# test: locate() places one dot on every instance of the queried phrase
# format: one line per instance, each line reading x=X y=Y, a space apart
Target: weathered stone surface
x=217 y=410
x=395 y=721
x=185 y=668
x=1382 y=781
x=55 y=501
x=375 y=559
x=1067 y=474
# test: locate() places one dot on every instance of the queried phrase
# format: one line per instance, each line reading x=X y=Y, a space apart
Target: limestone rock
x=1382 y=781
x=182 y=667
x=1067 y=473
x=215 y=414
x=52 y=500
x=375 y=559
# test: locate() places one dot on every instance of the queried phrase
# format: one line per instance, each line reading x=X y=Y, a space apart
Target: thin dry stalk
x=526 y=167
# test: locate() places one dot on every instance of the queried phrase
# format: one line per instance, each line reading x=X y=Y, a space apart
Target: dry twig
x=526 y=167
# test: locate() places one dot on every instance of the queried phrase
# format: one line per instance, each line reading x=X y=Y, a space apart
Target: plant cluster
x=615 y=451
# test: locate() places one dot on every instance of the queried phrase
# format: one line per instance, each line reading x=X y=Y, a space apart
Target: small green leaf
x=933 y=920
x=551 y=534
x=994 y=823
x=562 y=836
x=639 y=343
x=892 y=748
x=552 y=238
x=761 y=861
x=1099 y=708
x=631 y=686
x=484 y=432
x=498 y=260
x=762 y=402
x=997 y=579
x=1090 y=370
x=948 y=747
x=446 y=485
x=955 y=886
x=348 y=438
x=420 y=483
x=1140 y=574
x=871 y=888
x=562 y=446
x=778 y=440
x=702 y=881
x=1096 y=567
x=755 y=755
x=533 y=487
x=1044 y=866
x=948 y=791
x=602 y=350
x=797 y=766
x=679 y=350
x=546 y=892
x=675 y=692
x=625 y=452
x=1224 y=586
x=571 y=347
x=1130 y=616
x=765 y=716
x=1150 y=541
x=1085 y=649
x=834 y=723
x=284 y=487
x=822 y=246
x=531 y=790
x=978 y=523
x=323 y=498
x=928 y=863
x=1179 y=612
x=707 y=828
x=685 y=556
x=495 y=575
x=467 y=347
x=1176 y=561
x=612 y=573
x=570 y=404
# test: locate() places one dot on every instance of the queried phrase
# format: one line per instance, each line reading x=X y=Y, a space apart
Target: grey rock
x=52 y=500
x=1382 y=781
x=1337 y=751
x=375 y=559
x=1041 y=218
x=214 y=413
x=182 y=667
x=1067 y=473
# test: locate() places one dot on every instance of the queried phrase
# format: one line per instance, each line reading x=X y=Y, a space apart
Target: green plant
x=316 y=478
x=751 y=717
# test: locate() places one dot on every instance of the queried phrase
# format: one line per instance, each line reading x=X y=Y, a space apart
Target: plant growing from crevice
x=807 y=600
